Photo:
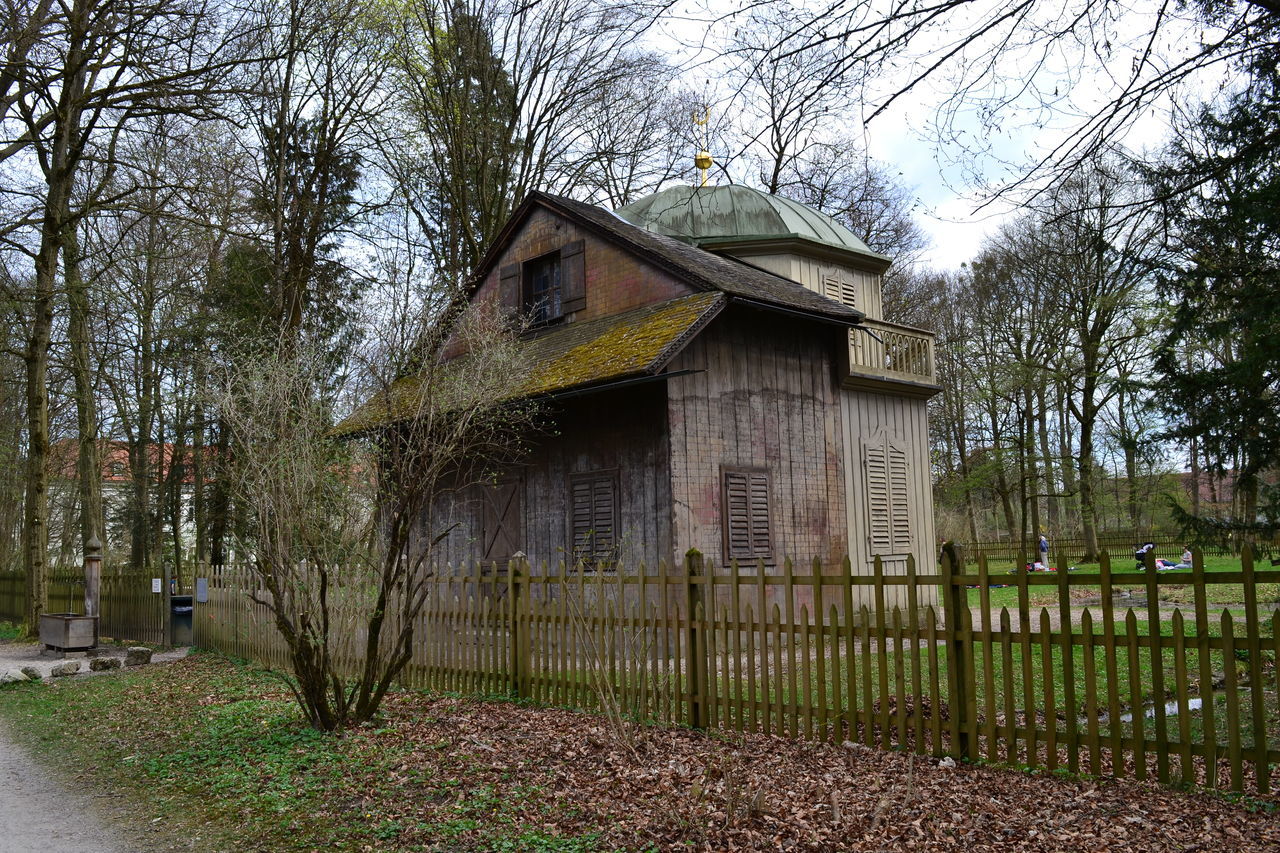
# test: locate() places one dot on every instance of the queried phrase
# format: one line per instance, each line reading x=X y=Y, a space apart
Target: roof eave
x=868 y=261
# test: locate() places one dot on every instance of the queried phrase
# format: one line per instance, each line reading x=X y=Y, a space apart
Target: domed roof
x=737 y=214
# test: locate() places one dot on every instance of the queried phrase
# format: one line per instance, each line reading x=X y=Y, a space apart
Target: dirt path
x=62 y=810
x=38 y=812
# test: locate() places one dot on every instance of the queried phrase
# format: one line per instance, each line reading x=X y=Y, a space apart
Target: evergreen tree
x=1219 y=362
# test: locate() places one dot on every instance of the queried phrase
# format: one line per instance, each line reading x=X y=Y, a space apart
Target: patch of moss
x=575 y=354
x=625 y=347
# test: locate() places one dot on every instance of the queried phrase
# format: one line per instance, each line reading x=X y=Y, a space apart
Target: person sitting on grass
x=1186 y=558
x=1141 y=554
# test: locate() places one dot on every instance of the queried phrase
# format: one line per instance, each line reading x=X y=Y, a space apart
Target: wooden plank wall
x=762 y=394
x=622 y=431
x=863 y=416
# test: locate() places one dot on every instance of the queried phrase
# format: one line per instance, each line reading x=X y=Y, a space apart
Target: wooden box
x=67 y=632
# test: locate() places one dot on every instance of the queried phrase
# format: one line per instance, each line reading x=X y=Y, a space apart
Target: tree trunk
x=1069 y=485
x=1002 y=481
x=1052 y=501
x=1088 y=503
x=1031 y=472
x=35 y=522
x=88 y=459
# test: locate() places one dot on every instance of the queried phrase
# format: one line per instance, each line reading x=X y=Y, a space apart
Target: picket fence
x=1087 y=672
x=128 y=609
x=827 y=655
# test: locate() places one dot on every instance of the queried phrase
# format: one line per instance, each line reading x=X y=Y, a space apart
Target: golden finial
x=702 y=160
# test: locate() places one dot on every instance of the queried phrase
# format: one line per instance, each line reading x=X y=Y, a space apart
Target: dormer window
x=541 y=299
x=547 y=288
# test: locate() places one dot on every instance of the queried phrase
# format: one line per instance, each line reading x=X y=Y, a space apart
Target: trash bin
x=180 y=613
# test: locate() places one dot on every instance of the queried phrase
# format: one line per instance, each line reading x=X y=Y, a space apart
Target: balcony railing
x=896 y=354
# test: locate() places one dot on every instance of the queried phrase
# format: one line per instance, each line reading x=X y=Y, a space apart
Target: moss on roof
x=614 y=347
x=581 y=354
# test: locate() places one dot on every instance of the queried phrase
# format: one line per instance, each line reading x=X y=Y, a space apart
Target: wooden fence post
x=517 y=663
x=694 y=654
x=955 y=604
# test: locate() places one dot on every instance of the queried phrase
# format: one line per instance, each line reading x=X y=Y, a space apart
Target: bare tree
x=341 y=535
x=502 y=98
x=1014 y=62
x=92 y=69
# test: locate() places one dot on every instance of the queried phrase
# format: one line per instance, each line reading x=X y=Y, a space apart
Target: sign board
x=155 y=585
x=202 y=590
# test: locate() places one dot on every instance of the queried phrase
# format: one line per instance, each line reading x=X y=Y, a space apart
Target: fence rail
x=1121 y=684
x=128 y=609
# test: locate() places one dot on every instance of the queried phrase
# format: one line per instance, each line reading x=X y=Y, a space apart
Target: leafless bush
x=341 y=524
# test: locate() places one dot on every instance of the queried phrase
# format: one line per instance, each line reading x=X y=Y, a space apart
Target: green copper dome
x=737 y=214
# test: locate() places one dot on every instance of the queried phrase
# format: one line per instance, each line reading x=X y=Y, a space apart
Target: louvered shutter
x=842 y=291
x=509 y=288
x=899 y=500
x=737 y=511
x=573 y=274
x=880 y=527
x=759 y=511
x=747 y=534
x=594 y=516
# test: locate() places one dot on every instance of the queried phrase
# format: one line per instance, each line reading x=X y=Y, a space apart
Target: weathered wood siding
x=763 y=396
x=622 y=430
x=815 y=273
x=616 y=280
x=865 y=417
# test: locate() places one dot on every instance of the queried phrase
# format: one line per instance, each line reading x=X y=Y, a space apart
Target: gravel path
x=37 y=811
x=46 y=811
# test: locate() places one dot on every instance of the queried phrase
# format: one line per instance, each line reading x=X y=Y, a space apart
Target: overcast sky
x=949 y=182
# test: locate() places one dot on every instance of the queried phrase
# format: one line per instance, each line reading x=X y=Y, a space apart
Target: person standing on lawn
x=1044 y=550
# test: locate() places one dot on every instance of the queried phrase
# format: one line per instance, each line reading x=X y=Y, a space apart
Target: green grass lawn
x=9 y=631
x=1170 y=590
x=222 y=751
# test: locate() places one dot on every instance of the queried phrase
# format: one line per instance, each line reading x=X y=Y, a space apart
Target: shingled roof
x=632 y=344
x=700 y=268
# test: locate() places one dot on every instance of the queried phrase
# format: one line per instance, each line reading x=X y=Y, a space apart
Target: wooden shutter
x=747 y=530
x=593 y=520
x=573 y=277
x=501 y=525
x=888 y=485
x=509 y=296
x=841 y=290
x=879 y=524
x=899 y=500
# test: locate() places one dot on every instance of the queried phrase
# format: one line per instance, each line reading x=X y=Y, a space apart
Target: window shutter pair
x=842 y=291
x=573 y=281
x=747 y=534
x=888 y=494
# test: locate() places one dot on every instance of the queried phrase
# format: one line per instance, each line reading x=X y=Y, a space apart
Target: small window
x=542 y=303
x=117 y=469
x=593 y=517
x=748 y=532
